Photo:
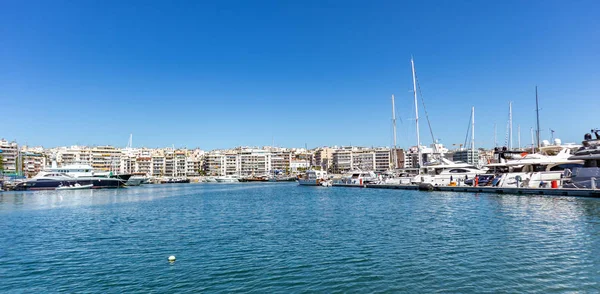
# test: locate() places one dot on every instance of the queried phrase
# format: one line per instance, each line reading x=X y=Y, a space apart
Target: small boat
x=281 y=178
x=326 y=183
x=254 y=179
x=175 y=181
x=227 y=179
x=75 y=186
x=313 y=178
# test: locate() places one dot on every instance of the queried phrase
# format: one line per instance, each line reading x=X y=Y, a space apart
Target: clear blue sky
x=227 y=73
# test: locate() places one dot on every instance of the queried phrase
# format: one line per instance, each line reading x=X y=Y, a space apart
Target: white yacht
x=444 y=174
x=588 y=175
x=359 y=178
x=227 y=179
x=136 y=180
x=539 y=170
x=73 y=170
x=210 y=179
x=80 y=171
x=313 y=178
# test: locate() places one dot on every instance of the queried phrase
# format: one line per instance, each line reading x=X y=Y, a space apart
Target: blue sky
x=228 y=73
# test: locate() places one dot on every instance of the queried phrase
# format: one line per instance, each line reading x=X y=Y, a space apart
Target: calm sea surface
x=272 y=237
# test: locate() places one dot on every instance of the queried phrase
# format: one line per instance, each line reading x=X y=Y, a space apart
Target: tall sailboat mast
x=532 y=142
x=412 y=62
x=394 y=154
x=519 y=136
x=510 y=127
x=537 y=114
x=495 y=137
x=473 y=134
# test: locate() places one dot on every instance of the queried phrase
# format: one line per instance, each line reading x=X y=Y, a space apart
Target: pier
x=592 y=193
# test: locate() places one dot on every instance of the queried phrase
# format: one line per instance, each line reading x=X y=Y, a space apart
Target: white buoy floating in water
x=172 y=258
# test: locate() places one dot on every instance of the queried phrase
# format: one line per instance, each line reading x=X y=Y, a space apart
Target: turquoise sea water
x=271 y=237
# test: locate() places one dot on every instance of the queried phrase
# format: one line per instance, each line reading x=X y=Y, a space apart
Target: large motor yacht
x=359 y=177
x=588 y=175
x=69 y=175
x=444 y=174
x=51 y=181
x=553 y=163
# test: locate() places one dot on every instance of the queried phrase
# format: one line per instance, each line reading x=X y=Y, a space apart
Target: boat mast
x=532 y=142
x=510 y=126
x=394 y=125
x=412 y=62
x=174 y=161
x=130 y=143
x=519 y=136
x=537 y=114
x=495 y=137
x=472 y=135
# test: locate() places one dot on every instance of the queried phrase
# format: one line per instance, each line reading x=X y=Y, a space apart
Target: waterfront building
x=254 y=162
x=214 y=163
x=363 y=159
x=467 y=156
x=400 y=158
x=430 y=154
x=299 y=165
x=10 y=154
x=158 y=163
x=323 y=157
x=193 y=161
x=383 y=160
x=180 y=163
x=106 y=158
x=281 y=161
x=143 y=163
x=172 y=162
x=342 y=160
x=33 y=163
x=346 y=159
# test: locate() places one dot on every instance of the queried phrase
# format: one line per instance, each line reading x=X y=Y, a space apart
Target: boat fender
x=426 y=187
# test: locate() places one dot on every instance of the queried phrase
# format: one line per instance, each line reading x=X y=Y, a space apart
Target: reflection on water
x=72 y=198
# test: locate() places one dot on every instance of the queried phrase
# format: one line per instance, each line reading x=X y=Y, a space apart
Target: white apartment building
x=298 y=165
x=383 y=159
x=10 y=153
x=33 y=163
x=346 y=159
x=254 y=162
x=428 y=154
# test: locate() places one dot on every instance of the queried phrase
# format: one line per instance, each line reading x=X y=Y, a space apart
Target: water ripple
x=282 y=238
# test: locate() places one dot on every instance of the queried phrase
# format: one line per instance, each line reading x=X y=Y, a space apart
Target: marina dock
x=592 y=193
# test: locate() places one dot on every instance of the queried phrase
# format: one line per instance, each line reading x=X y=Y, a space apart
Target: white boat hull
x=134 y=181
x=303 y=182
x=81 y=187
x=227 y=180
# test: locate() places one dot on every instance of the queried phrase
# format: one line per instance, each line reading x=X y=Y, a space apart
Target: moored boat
x=175 y=181
x=358 y=178
x=588 y=175
x=51 y=181
x=313 y=178
x=227 y=179
x=254 y=179
x=76 y=186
